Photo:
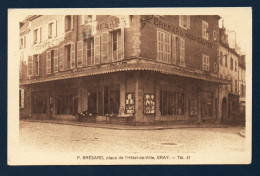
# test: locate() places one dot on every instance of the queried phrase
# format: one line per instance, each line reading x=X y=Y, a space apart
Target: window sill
x=184 y=27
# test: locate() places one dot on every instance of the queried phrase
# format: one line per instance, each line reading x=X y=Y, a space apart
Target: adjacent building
x=156 y=69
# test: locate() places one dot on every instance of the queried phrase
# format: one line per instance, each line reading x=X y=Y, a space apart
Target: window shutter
x=174 y=49
x=79 y=53
x=72 y=54
x=72 y=22
x=63 y=23
x=61 y=59
x=56 y=61
x=188 y=21
x=119 y=45
x=182 y=51
x=158 y=45
x=180 y=20
x=104 y=41
x=24 y=41
x=39 y=34
x=54 y=28
x=30 y=66
x=97 y=49
x=22 y=98
x=48 y=62
x=82 y=19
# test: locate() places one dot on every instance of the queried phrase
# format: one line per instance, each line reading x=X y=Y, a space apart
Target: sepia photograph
x=129 y=86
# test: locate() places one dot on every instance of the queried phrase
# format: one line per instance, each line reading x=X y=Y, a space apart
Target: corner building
x=158 y=69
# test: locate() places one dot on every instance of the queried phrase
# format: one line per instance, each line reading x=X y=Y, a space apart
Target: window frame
x=206 y=64
x=181 y=21
x=205 y=33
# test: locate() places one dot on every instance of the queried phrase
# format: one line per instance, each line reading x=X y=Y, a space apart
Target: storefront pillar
x=122 y=94
x=80 y=90
x=199 y=107
x=138 y=106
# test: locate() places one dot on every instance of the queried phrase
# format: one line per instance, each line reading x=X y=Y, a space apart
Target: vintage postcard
x=129 y=86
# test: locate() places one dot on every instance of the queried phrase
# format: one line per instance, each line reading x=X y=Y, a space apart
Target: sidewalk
x=128 y=127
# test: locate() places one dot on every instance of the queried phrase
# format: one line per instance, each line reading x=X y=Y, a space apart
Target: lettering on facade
x=50 y=43
x=108 y=24
x=175 y=30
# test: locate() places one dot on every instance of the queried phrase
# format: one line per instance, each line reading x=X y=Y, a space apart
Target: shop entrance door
x=92 y=102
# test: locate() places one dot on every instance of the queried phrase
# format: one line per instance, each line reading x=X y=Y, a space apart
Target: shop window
x=39 y=102
x=52 y=29
x=206 y=104
x=149 y=104
x=192 y=107
x=67 y=103
x=171 y=103
x=114 y=101
x=37 y=35
x=184 y=21
x=205 y=33
x=205 y=62
x=68 y=23
x=117 y=52
x=36 y=64
x=130 y=103
x=163 y=46
x=21 y=98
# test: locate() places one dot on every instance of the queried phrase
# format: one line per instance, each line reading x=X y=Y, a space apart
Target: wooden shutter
x=72 y=56
x=39 y=34
x=174 y=54
x=30 y=66
x=63 y=23
x=54 y=28
x=56 y=61
x=61 y=59
x=104 y=48
x=97 y=49
x=119 y=45
x=79 y=53
x=182 y=51
x=180 y=20
x=48 y=62
x=188 y=21
x=72 y=22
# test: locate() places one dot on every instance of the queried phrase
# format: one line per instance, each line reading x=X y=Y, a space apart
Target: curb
x=242 y=133
x=121 y=127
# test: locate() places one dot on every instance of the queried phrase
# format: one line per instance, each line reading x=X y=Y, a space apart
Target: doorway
x=224 y=108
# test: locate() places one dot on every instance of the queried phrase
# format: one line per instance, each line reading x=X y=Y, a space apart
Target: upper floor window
x=68 y=23
x=52 y=29
x=21 y=43
x=85 y=19
x=184 y=21
x=225 y=60
x=116 y=45
x=231 y=63
x=221 y=58
x=205 y=33
x=235 y=66
x=163 y=46
x=89 y=43
x=36 y=35
x=214 y=35
x=205 y=62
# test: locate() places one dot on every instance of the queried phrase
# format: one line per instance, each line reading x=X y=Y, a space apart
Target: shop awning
x=127 y=65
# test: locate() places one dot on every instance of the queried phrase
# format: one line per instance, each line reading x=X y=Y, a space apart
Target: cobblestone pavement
x=68 y=138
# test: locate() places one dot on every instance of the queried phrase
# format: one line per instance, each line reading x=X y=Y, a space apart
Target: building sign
x=130 y=103
x=111 y=23
x=173 y=29
x=50 y=43
x=149 y=104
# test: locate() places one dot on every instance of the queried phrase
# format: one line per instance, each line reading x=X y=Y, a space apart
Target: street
x=50 y=137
